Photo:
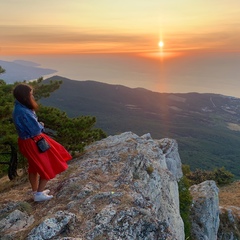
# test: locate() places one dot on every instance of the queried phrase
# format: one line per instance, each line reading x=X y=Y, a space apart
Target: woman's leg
x=38 y=185
x=42 y=184
x=34 y=181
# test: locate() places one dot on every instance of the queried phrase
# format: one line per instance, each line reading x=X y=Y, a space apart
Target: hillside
x=204 y=125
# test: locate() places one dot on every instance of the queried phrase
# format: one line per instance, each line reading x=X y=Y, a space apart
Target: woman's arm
x=31 y=124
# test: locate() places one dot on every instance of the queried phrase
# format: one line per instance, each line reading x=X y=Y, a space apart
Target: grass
x=229 y=195
x=150 y=170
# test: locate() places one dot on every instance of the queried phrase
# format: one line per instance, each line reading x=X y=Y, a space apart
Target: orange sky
x=106 y=26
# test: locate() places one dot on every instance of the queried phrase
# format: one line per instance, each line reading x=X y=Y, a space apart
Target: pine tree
x=73 y=133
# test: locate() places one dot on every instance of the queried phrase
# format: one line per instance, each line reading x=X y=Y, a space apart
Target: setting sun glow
x=161 y=44
x=80 y=27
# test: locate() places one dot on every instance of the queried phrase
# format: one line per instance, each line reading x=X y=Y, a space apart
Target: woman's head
x=23 y=93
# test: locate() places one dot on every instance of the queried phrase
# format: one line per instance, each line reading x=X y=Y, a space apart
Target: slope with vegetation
x=206 y=126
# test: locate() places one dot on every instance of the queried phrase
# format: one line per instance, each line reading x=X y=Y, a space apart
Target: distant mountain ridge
x=20 y=70
x=206 y=126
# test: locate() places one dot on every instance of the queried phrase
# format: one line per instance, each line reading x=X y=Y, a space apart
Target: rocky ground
x=123 y=187
x=19 y=190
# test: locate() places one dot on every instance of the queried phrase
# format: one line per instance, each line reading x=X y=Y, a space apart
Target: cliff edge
x=122 y=187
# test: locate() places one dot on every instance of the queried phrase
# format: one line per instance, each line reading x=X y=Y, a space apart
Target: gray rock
x=205 y=211
x=51 y=227
x=14 y=222
x=229 y=228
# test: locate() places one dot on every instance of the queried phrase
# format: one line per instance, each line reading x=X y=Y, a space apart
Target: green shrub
x=150 y=169
x=199 y=176
x=185 y=169
x=185 y=200
x=220 y=175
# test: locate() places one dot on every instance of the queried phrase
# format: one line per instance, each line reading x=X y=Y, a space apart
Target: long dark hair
x=22 y=92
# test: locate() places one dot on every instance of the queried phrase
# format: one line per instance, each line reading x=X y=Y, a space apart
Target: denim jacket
x=26 y=121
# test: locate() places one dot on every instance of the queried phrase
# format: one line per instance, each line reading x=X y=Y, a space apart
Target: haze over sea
x=203 y=73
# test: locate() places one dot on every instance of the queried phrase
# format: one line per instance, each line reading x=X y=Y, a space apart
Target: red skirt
x=47 y=164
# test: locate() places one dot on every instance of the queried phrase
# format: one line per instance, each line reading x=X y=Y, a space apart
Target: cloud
x=53 y=34
x=78 y=40
x=215 y=40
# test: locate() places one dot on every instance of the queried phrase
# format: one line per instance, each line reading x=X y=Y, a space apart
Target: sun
x=160 y=44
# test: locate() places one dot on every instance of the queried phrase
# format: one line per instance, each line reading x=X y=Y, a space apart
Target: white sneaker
x=47 y=191
x=39 y=197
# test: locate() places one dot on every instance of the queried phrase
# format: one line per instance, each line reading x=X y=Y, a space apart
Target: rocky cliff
x=122 y=187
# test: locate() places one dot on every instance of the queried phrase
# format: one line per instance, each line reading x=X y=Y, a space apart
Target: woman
x=44 y=164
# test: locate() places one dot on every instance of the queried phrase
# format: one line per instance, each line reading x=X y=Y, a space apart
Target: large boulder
x=205 y=211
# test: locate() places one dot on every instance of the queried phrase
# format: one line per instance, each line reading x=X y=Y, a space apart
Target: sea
x=200 y=72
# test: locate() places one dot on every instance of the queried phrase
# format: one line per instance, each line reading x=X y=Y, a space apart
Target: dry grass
x=230 y=195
